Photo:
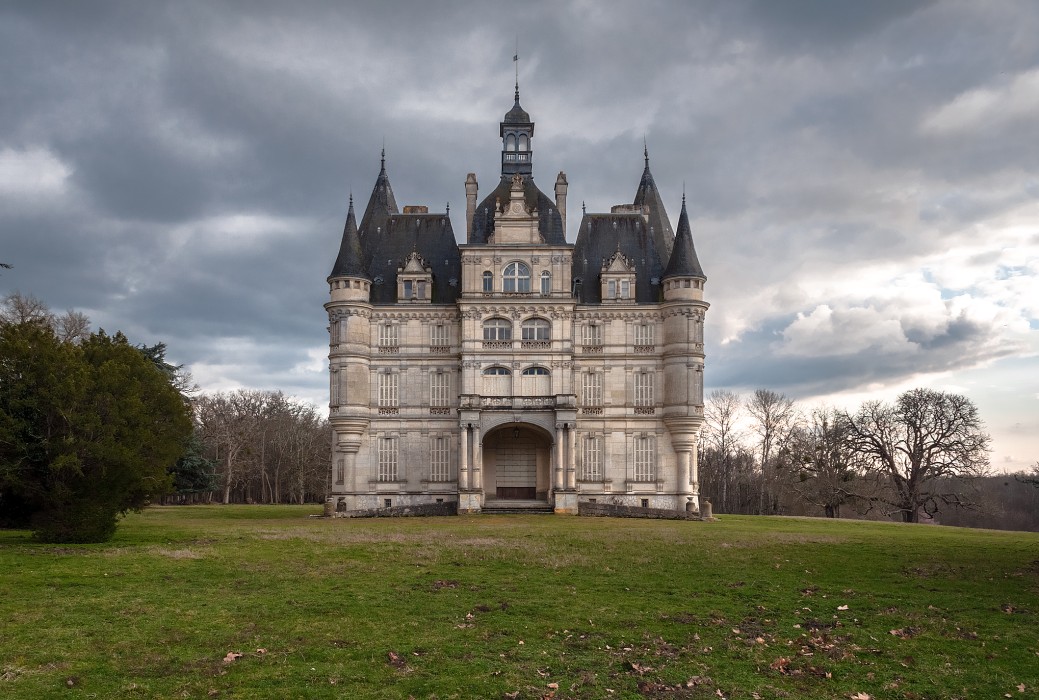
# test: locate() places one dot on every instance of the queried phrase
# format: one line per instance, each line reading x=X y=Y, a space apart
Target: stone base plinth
x=566 y=503
x=470 y=502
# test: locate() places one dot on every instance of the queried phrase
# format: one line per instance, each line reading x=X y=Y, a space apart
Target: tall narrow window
x=643 y=389
x=334 y=389
x=409 y=287
x=388 y=459
x=340 y=471
x=438 y=335
x=592 y=389
x=593 y=458
x=522 y=142
x=388 y=396
x=625 y=289
x=421 y=289
x=593 y=334
x=611 y=289
x=644 y=334
x=645 y=458
x=438 y=459
x=516 y=278
x=510 y=142
x=388 y=335
x=488 y=282
x=438 y=389
x=546 y=284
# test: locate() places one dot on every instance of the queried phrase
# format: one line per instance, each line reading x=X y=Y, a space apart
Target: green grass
x=488 y=606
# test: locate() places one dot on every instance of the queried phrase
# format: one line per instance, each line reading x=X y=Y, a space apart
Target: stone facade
x=516 y=366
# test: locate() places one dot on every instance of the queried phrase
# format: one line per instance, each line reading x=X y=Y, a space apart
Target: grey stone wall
x=420 y=510
x=610 y=510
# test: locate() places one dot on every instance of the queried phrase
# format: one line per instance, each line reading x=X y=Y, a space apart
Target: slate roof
x=550 y=224
x=599 y=237
x=649 y=196
x=380 y=205
x=683 y=262
x=517 y=115
x=428 y=234
x=350 y=263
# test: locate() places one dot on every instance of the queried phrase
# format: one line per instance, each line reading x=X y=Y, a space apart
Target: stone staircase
x=511 y=506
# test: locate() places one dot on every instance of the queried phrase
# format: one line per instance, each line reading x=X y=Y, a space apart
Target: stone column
x=477 y=480
x=695 y=487
x=571 y=461
x=463 y=454
x=683 y=473
x=557 y=481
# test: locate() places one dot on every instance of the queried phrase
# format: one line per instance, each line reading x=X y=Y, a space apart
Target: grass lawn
x=518 y=607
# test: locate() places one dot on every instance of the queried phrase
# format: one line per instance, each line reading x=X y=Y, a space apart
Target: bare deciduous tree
x=826 y=462
x=24 y=308
x=774 y=416
x=926 y=446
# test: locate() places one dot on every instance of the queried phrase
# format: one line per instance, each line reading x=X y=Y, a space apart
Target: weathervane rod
x=515 y=63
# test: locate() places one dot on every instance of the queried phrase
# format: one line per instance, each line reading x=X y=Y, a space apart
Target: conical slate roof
x=380 y=205
x=649 y=196
x=683 y=262
x=350 y=262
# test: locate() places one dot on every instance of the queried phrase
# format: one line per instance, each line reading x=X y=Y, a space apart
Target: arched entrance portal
x=517 y=459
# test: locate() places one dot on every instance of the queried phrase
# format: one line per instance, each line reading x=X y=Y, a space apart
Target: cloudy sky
x=862 y=177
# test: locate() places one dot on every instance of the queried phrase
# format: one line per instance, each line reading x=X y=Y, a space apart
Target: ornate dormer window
x=414 y=280
x=618 y=280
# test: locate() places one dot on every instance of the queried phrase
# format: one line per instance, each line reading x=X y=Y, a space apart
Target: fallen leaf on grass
x=394 y=659
x=842 y=607
x=861 y=696
x=232 y=656
x=1020 y=687
x=261 y=652
x=904 y=632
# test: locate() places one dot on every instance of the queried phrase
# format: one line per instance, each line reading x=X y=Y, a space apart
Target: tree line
x=922 y=457
x=93 y=426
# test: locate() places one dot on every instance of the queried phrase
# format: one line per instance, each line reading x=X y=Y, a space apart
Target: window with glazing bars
x=593 y=458
x=334 y=389
x=643 y=389
x=388 y=395
x=387 y=459
x=438 y=389
x=592 y=389
x=645 y=449
x=593 y=334
x=536 y=329
x=438 y=453
x=643 y=334
x=438 y=335
x=340 y=470
x=388 y=335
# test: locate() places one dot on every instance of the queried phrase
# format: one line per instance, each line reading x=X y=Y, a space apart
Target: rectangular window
x=593 y=334
x=697 y=393
x=388 y=335
x=334 y=389
x=488 y=282
x=438 y=335
x=644 y=389
x=421 y=289
x=340 y=471
x=625 y=289
x=407 y=289
x=388 y=459
x=546 y=284
x=611 y=289
x=438 y=389
x=592 y=389
x=644 y=334
x=438 y=470
x=593 y=458
x=388 y=396
x=645 y=458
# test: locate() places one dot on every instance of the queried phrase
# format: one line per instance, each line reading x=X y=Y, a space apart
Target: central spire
x=516 y=131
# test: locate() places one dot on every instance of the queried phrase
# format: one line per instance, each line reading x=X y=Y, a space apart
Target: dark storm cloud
x=210 y=148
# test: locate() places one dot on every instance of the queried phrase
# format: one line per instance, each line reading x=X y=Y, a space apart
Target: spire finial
x=449 y=208
x=583 y=209
x=515 y=61
x=382 y=158
x=351 y=199
x=683 y=194
x=645 y=149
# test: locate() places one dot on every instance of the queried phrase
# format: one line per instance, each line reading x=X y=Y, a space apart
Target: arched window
x=536 y=329
x=535 y=372
x=497 y=329
x=522 y=142
x=546 y=283
x=516 y=278
x=510 y=142
x=488 y=281
x=497 y=372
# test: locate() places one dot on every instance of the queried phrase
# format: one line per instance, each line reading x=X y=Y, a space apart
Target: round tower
x=349 y=357
x=683 y=358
